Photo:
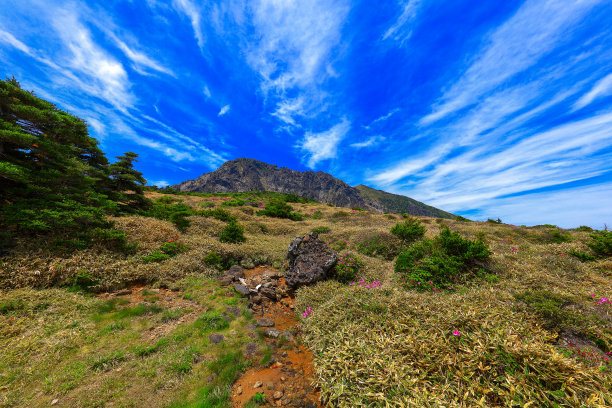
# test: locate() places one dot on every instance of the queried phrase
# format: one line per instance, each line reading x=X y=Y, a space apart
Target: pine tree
x=127 y=184
x=50 y=168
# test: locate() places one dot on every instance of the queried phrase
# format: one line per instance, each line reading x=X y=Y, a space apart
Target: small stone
x=233 y=310
x=287 y=335
x=291 y=307
x=273 y=333
x=55 y=401
x=226 y=279
x=255 y=299
x=243 y=290
x=236 y=270
x=239 y=390
x=283 y=379
x=258 y=384
x=251 y=349
x=250 y=326
x=284 y=354
x=216 y=338
x=278 y=364
x=278 y=395
x=265 y=322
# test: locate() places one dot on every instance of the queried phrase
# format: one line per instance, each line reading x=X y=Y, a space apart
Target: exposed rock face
x=242 y=175
x=309 y=261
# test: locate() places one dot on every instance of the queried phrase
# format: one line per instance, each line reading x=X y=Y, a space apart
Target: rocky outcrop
x=310 y=260
x=243 y=175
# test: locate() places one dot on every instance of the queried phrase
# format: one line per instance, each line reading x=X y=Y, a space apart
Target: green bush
x=558 y=237
x=601 y=243
x=584 y=228
x=317 y=215
x=294 y=198
x=379 y=244
x=467 y=250
x=166 y=251
x=582 y=256
x=339 y=245
x=436 y=263
x=155 y=256
x=170 y=209
x=174 y=248
x=83 y=280
x=340 y=214
x=462 y=219
x=497 y=221
x=213 y=258
x=321 y=230
x=219 y=214
x=233 y=203
x=409 y=230
x=280 y=209
x=232 y=233
x=347 y=267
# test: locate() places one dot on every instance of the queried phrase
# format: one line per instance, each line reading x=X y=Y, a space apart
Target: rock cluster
x=260 y=289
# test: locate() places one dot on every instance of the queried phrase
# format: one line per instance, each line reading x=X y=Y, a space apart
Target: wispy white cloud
x=101 y=74
x=602 y=88
x=224 y=110
x=141 y=60
x=189 y=9
x=370 y=142
x=324 y=145
x=292 y=52
x=159 y=183
x=207 y=92
x=535 y=30
x=401 y=30
x=8 y=38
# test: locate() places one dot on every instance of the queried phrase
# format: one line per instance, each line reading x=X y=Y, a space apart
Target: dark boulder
x=310 y=261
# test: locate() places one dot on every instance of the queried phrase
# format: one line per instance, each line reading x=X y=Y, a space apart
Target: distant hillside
x=243 y=175
x=400 y=204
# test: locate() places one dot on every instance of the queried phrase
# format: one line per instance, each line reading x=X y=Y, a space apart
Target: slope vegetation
x=527 y=326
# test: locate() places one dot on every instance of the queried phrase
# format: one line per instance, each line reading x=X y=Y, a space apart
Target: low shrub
x=582 y=256
x=212 y=258
x=584 y=228
x=280 y=209
x=155 y=256
x=462 y=219
x=409 y=230
x=557 y=236
x=379 y=244
x=438 y=262
x=321 y=230
x=170 y=209
x=347 y=267
x=497 y=221
x=338 y=245
x=168 y=249
x=236 y=202
x=340 y=214
x=233 y=233
x=83 y=280
x=219 y=214
x=601 y=243
x=317 y=215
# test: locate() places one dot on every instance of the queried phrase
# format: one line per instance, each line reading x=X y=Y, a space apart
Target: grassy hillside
x=398 y=203
x=506 y=334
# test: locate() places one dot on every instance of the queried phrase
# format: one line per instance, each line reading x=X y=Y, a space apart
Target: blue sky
x=485 y=109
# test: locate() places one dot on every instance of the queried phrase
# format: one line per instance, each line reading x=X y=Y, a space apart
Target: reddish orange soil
x=291 y=376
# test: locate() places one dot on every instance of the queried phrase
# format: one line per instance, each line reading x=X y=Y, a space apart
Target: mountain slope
x=400 y=204
x=243 y=175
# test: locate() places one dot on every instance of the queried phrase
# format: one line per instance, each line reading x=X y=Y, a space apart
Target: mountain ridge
x=244 y=174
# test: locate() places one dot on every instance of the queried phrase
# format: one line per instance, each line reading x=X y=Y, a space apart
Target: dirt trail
x=287 y=381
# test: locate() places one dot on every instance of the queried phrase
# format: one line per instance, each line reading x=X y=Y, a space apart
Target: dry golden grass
x=388 y=346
